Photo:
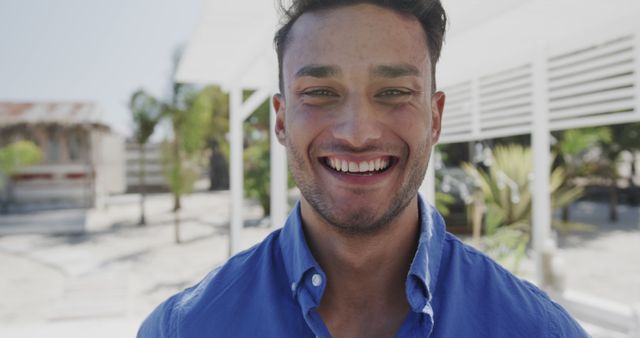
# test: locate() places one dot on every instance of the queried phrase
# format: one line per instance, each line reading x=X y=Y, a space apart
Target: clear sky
x=96 y=50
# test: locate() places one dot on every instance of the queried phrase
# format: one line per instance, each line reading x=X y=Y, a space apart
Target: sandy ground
x=104 y=281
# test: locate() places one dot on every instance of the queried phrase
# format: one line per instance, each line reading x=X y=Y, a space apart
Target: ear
x=437 y=108
x=279 y=106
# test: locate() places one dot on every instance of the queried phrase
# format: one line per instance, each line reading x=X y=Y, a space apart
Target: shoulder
x=238 y=278
x=498 y=300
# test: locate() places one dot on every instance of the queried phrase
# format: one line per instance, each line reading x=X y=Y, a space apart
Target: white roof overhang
x=232 y=45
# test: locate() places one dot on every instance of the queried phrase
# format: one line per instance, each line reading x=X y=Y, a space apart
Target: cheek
x=412 y=125
x=303 y=126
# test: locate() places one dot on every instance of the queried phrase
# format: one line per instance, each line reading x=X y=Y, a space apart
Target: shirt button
x=316 y=280
x=293 y=287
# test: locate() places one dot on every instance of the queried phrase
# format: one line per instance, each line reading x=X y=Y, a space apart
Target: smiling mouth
x=361 y=168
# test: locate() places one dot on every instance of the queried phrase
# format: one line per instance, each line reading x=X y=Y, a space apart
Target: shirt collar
x=423 y=272
x=295 y=251
x=422 y=276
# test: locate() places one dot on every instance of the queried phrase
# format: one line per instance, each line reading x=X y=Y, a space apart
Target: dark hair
x=429 y=13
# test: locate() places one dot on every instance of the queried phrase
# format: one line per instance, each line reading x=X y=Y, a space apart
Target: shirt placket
x=309 y=291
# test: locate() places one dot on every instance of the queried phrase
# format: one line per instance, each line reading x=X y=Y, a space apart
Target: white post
x=236 y=169
x=636 y=48
x=541 y=201
x=428 y=187
x=279 y=205
x=634 y=331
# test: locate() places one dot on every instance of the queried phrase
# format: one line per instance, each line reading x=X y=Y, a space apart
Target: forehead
x=363 y=33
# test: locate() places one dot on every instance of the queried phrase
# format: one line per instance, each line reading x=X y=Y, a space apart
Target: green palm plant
x=507 y=199
x=146 y=113
x=190 y=114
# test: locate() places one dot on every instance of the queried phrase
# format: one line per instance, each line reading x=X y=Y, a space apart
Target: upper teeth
x=358 y=167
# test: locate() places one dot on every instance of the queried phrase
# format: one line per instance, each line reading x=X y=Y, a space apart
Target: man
x=361 y=255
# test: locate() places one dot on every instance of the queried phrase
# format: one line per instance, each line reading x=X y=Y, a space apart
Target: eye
x=319 y=93
x=393 y=92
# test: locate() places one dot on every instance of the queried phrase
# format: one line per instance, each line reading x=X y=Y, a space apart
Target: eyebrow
x=321 y=71
x=394 y=70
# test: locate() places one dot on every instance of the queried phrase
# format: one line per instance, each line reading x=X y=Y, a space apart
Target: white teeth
x=353 y=167
x=364 y=167
x=358 y=167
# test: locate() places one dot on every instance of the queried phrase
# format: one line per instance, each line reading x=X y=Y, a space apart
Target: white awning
x=233 y=42
x=232 y=45
x=509 y=39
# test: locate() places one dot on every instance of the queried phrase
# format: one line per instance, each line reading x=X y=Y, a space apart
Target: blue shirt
x=274 y=288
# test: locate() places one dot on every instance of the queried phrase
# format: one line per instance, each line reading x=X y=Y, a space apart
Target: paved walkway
x=103 y=282
x=605 y=262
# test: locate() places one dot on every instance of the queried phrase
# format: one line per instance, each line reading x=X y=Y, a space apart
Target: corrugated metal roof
x=63 y=113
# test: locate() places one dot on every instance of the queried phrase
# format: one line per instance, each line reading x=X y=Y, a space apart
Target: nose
x=358 y=124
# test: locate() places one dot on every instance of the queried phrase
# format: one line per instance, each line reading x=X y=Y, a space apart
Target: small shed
x=83 y=160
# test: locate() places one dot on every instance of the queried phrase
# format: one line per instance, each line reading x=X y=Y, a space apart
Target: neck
x=362 y=268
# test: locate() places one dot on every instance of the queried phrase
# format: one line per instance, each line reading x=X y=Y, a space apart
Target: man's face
x=357 y=115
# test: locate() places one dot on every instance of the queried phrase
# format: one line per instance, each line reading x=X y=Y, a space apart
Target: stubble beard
x=360 y=221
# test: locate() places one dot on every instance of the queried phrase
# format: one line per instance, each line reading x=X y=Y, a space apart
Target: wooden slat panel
x=504 y=76
x=616 y=82
x=497 y=89
x=511 y=93
x=594 y=51
x=460 y=105
x=458 y=90
x=505 y=104
x=597 y=120
x=610 y=96
x=514 y=112
x=623 y=56
x=448 y=129
x=506 y=122
x=457 y=118
x=592 y=76
x=504 y=132
x=602 y=108
x=456 y=138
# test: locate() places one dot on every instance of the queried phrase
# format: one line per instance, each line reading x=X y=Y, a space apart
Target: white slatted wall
x=589 y=86
x=505 y=102
x=593 y=85
x=458 y=117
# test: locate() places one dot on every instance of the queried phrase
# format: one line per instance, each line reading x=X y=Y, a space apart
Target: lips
x=362 y=167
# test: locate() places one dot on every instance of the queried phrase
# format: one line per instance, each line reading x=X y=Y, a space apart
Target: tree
x=628 y=136
x=611 y=142
x=624 y=137
x=218 y=130
x=13 y=158
x=146 y=115
x=190 y=114
x=571 y=146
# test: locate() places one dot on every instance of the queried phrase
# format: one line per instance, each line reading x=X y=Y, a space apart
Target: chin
x=363 y=221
